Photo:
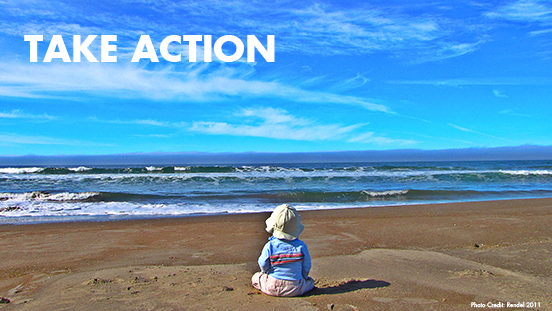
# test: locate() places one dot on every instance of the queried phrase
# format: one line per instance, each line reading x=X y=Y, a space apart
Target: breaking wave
x=190 y=189
x=52 y=197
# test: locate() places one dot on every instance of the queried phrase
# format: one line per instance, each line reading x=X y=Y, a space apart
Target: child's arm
x=307 y=264
x=264 y=259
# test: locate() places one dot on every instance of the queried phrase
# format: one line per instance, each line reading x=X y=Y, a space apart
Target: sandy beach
x=424 y=257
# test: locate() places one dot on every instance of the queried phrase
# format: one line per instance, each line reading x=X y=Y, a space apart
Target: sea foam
x=44 y=196
x=20 y=170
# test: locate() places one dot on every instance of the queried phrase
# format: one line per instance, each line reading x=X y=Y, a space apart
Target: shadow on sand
x=346 y=287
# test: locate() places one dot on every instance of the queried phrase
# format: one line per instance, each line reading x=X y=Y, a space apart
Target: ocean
x=92 y=193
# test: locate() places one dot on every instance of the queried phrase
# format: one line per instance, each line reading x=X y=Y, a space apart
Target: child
x=285 y=261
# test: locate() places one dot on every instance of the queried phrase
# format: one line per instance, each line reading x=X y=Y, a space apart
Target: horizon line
x=523 y=152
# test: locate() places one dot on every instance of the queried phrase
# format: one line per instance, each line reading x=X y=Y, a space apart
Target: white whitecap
x=43 y=196
x=20 y=170
x=153 y=168
x=79 y=169
x=384 y=193
x=526 y=172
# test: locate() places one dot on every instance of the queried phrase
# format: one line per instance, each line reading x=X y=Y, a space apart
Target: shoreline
x=492 y=244
x=34 y=220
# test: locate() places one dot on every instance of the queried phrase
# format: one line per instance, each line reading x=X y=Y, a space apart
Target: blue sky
x=348 y=75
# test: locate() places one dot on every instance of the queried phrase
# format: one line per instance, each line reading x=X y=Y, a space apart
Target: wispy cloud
x=370 y=137
x=321 y=28
x=447 y=50
x=198 y=84
x=513 y=112
x=277 y=124
x=524 y=11
x=18 y=114
x=357 y=30
x=155 y=135
x=280 y=124
x=309 y=27
x=536 y=18
x=351 y=83
x=463 y=129
x=11 y=139
x=147 y=122
x=498 y=93
x=540 y=32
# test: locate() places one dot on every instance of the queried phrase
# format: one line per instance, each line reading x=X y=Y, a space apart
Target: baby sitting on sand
x=285 y=260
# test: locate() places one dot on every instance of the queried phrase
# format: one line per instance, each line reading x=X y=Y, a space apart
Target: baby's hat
x=284 y=223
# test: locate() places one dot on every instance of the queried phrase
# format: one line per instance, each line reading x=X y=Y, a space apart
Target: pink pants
x=281 y=288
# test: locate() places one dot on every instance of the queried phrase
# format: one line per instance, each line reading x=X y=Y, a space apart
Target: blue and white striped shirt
x=285 y=259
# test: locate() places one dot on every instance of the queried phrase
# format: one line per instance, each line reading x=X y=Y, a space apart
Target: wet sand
x=424 y=257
